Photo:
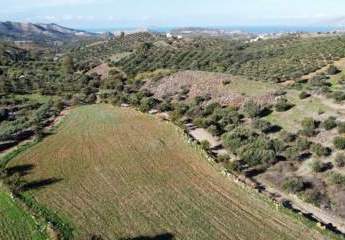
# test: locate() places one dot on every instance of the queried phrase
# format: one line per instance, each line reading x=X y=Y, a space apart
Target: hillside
x=39 y=32
x=119 y=173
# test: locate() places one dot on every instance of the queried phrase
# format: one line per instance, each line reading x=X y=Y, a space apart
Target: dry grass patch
x=223 y=88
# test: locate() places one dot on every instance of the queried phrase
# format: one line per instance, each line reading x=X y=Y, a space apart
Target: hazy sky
x=142 y=13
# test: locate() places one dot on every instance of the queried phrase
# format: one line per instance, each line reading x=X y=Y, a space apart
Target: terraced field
x=126 y=174
x=15 y=223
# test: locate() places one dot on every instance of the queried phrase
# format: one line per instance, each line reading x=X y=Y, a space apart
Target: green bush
x=313 y=196
x=317 y=166
x=253 y=109
x=234 y=166
x=165 y=106
x=147 y=103
x=294 y=185
x=292 y=153
x=282 y=105
x=320 y=150
x=338 y=96
x=263 y=125
x=330 y=123
x=332 y=70
x=337 y=178
x=309 y=126
x=340 y=160
x=304 y=95
x=339 y=143
x=303 y=144
x=205 y=145
x=223 y=158
x=341 y=127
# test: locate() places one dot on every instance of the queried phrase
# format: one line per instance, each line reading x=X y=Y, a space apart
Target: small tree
x=147 y=103
x=68 y=64
x=253 y=109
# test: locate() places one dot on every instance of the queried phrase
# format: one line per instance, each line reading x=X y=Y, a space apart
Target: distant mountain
x=39 y=32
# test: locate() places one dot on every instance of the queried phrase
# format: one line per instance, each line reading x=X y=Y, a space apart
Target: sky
x=89 y=14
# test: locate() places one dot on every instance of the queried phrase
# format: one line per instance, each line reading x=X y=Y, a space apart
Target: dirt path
x=322 y=215
x=202 y=134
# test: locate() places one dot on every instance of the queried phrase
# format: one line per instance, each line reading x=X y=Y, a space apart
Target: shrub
x=235 y=139
x=341 y=127
x=340 y=160
x=223 y=158
x=226 y=82
x=257 y=151
x=303 y=144
x=309 y=126
x=294 y=185
x=147 y=103
x=263 y=125
x=165 y=106
x=329 y=123
x=337 y=178
x=253 y=109
x=320 y=151
x=304 y=95
x=283 y=105
x=292 y=153
x=318 y=81
x=332 y=70
x=210 y=108
x=313 y=196
x=338 y=96
x=317 y=166
x=339 y=143
x=200 y=122
x=205 y=145
x=234 y=166
x=287 y=137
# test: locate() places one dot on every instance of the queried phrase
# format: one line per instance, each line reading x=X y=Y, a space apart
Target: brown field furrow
x=126 y=174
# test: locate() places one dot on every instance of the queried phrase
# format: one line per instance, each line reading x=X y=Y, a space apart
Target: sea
x=248 y=29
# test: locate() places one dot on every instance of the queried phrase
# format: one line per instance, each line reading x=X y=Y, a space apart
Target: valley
x=150 y=136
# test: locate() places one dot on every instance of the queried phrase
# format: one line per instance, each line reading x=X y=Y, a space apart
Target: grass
x=251 y=88
x=291 y=120
x=125 y=174
x=37 y=97
x=15 y=223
